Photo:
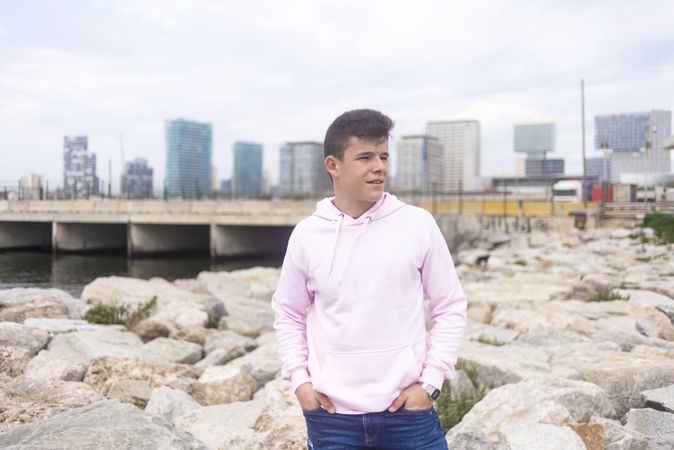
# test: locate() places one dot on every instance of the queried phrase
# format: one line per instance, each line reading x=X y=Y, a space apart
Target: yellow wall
x=529 y=208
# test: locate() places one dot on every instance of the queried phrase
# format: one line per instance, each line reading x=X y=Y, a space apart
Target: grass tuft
x=607 y=296
x=120 y=315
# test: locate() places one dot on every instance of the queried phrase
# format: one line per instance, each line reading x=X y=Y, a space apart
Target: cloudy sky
x=271 y=71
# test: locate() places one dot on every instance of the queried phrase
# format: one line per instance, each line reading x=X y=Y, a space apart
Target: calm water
x=72 y=272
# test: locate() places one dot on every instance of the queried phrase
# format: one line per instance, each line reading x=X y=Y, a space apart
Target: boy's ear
x=330 y=163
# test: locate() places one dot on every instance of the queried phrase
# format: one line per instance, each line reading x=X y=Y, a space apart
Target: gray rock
x=551 y=400
x=132 y=391
x=222 y=426
x=489 y=334
x=661 y=399
x=172 y=350
x=96 y=344
x=107 y=425
x=233 y=343
x=48 y=365
x=538 y=436
x=618 y=437
x=223 y=285
x=214 y=358
x=170 y=403
x=26 y=400
x=58 y=326
x=223 y=384
x=14 y=359
x=23 y=303
x=263 y=361
x=248 y=317
x=192 y=318
x=657 y=426
x=473 y=440
x=103 y=373
x=546 y=338
x=14 y=334
x=461 y=387
x=149 y=329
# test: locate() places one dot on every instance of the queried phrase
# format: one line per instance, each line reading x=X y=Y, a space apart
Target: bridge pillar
x=86 y=237
x=151 y=238
x=25 y=235
x=242 y=240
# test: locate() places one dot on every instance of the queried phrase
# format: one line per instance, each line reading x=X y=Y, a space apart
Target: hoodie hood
x=386 y=205
x=326 y=210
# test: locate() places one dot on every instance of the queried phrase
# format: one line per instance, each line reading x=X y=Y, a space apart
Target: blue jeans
x=401 y=430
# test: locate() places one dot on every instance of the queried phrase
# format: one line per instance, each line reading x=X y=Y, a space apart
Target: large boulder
x=263 y=361
x=555 y=401
x=233 y=343
x=133 y=391
x=49 y=365
x=19 y=304
x=246 y=316
x=58 y=326
x=105 y=372
x=224 y=384
x=14 y=359
x=223 y=285
x=17 y=335
x=97 y=344
x=170 y=403
x=172 y=301
x=538 y=436
x=106 y=425
x=281 y=425
x=261 y=281
x=25 y=400
x=662 y=399
x=229 y=426
x=657 y=426
x=172 y=350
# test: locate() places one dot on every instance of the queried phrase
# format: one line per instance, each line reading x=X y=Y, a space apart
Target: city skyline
x=253 y=73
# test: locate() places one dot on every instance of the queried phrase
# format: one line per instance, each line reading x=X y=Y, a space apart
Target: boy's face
x=362 y=173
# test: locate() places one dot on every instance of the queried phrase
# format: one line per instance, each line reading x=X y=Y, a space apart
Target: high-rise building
x=419 y=164
x=595 y=167
x=137 y=179
x=302 y=173
x=31 y=187
x=247 y=173
x=636 y=142
x=188 y=158
x=536 y=140
x=79 y=168
x=460 y=142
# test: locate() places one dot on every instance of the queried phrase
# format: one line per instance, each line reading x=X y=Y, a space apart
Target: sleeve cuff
x=298 y=378
x=433 y=376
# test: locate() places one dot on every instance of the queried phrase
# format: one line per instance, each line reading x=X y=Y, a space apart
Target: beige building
x=419 y=165
x=460 y=140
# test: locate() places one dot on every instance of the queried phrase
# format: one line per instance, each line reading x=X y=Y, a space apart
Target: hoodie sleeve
x=447 y=310
x=290 y=303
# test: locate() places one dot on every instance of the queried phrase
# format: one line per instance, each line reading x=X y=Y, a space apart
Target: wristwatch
x=431 y=390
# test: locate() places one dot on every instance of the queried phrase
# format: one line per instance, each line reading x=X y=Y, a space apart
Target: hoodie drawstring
x=362 y=230
x=334 y=242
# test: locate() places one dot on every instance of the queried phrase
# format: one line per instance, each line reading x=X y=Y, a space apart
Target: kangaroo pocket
x=367 y=381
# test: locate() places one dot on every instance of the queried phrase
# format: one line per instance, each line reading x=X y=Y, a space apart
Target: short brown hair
x=366 y=124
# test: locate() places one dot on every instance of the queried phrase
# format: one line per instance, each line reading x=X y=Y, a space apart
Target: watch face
x=435 y=394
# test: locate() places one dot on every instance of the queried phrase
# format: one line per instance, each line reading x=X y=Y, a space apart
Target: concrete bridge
x=137 y=227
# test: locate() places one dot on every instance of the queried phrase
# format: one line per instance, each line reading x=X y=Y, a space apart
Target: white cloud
x=270 y=71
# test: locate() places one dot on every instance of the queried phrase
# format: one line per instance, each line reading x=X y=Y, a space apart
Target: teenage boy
x=349 y=311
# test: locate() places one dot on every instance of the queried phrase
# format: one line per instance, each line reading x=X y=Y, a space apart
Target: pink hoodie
x=349 y=313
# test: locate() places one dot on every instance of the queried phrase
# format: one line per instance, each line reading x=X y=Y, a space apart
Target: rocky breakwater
x=191 y=365
x=570 y=345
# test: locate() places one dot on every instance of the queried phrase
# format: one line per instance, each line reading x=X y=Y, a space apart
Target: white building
x=460 y=140
x=302 y=173
x=31 y=187
x=419 y=165
x=79 y=168
x=636 y=143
